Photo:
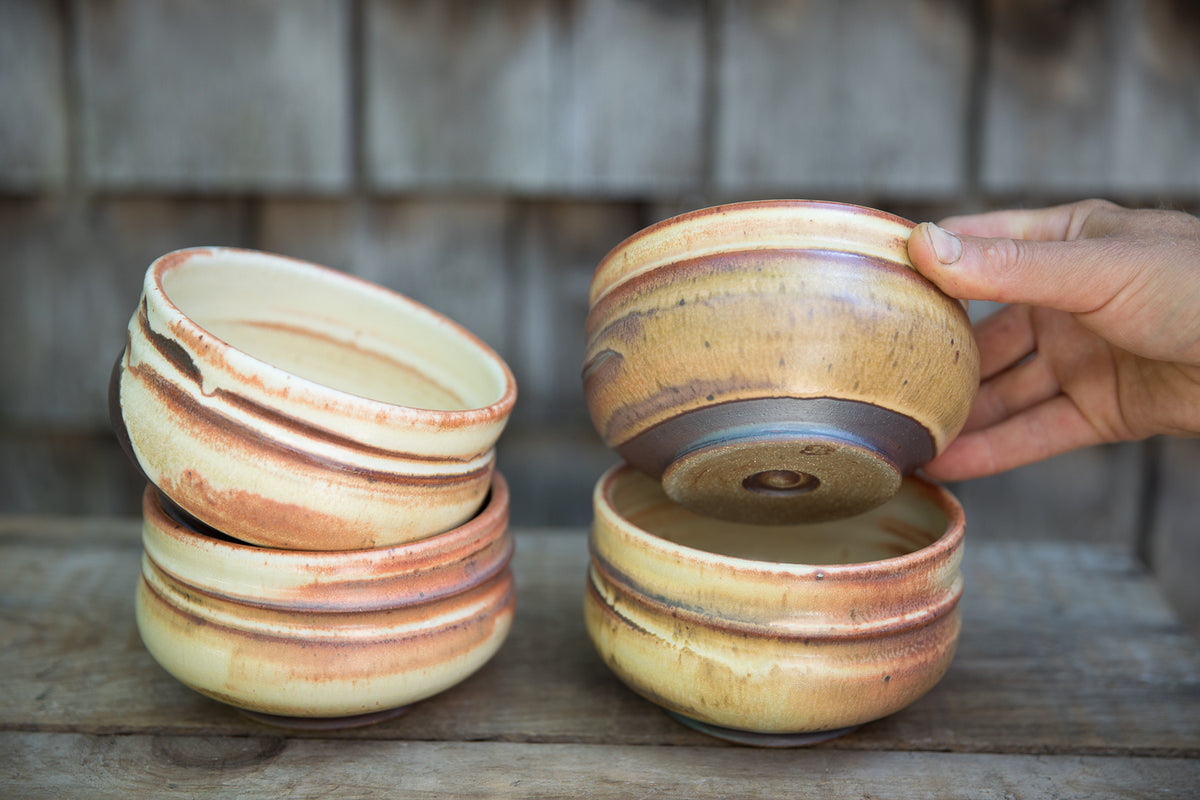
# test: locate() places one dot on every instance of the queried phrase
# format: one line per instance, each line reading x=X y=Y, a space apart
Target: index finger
x=1054 y=224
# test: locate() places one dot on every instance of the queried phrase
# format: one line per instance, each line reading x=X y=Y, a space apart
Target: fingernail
x=946 y=246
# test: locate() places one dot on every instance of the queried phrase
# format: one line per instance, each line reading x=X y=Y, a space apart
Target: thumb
x=1075 y=276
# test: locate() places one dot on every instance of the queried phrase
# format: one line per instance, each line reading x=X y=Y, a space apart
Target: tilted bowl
x=775 y=361
x=340 y=636
x=774 y=634
x=293 y=406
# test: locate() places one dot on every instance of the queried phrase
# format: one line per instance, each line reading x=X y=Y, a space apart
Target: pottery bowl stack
x=325 y=534
x=766 y=566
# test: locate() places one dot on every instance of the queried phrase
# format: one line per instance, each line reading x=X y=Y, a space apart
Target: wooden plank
x=556 y=249
x=551 y=471
x=1066 y=649
x=71 y=474
x=867 y=95
x=1089 y=495
x=630 y=108
x=223 y=95
x=33 y=126
x=448 y=253
x=1175 y=543
x=1092 y=98
x=72 y=276
x=594 y=96
x=55 y=765
x=458 y=93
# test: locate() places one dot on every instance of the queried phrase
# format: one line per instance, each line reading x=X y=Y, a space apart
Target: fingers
x=1079 y=276
x=1004 y=338
x=1048 y=429
x=1055 y=224
x=1011 y=392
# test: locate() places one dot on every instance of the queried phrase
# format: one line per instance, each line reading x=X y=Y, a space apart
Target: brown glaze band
x=602 y=571
x=687 y=271
x=899 y=439
x=174 y=397
x=116 y=418
x=488 y=558
x=178 y=357
x=802 y=211
x=191 y=333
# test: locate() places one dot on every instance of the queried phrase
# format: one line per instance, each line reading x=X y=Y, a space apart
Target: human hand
x=1101 y=342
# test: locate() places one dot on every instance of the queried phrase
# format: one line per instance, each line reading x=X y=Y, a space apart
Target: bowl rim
x=363 y=407
x=492 y=516
x=948 y=541
x=601 y=283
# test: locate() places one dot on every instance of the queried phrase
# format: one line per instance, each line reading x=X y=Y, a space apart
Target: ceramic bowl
x=775 y=361
x=774 y=634
x=344 y=637
x=293 y=406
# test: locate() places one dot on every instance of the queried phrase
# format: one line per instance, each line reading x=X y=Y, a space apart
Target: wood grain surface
x=1072 y=676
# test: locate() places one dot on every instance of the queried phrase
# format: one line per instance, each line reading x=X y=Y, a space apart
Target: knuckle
x=1004 y=255
x=1006 y=264
x=1093 y=217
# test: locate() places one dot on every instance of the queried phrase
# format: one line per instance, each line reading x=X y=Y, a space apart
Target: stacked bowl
x=325 y=535
x=766 y=566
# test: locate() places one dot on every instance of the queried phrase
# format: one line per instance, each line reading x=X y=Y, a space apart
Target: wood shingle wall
x=483 y=156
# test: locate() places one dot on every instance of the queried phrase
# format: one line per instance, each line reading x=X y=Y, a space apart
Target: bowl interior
x=335 y=331
x=908 y=522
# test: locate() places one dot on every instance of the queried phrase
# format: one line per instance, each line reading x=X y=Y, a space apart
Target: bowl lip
x=492 y=517
x=601 y=284
x=948 y=541
x=361 y=406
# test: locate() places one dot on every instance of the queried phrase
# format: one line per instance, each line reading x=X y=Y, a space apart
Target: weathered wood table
x=1072 y=679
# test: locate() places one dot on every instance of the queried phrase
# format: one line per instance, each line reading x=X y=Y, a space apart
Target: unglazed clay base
x=761 y=739
x=326 y=723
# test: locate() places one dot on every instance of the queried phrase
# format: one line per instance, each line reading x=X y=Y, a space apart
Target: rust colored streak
x=116 y=416
x=241 y=510
x=913 y=537
x=601 y=368
x=236 y=434
x=322 y=434
x=308 y=333
x=328 y=592
x=632 y=593
x=316 y=653
x=694 y=217
x=669 y=404
x=178 y=357
x=171 y=350
x=698 y=270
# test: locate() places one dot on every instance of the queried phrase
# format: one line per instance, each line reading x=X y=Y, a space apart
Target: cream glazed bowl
x=775 y=361
x=324 y=639
x=774 y=635
x=293 y=406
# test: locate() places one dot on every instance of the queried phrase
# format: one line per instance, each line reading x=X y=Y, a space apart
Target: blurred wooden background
x=482 y=156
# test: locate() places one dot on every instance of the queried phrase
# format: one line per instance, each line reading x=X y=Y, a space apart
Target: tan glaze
x=292 y=406
x=779 y=631
x=776 y=361
x=321 y=635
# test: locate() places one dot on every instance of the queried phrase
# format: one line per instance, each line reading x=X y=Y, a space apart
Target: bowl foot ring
x=325 y=723
x=754 y=739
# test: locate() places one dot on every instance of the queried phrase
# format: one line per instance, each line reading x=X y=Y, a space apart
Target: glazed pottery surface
x=775 y=361
x=774 y=630
x=296 y=634
x=293 y=406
